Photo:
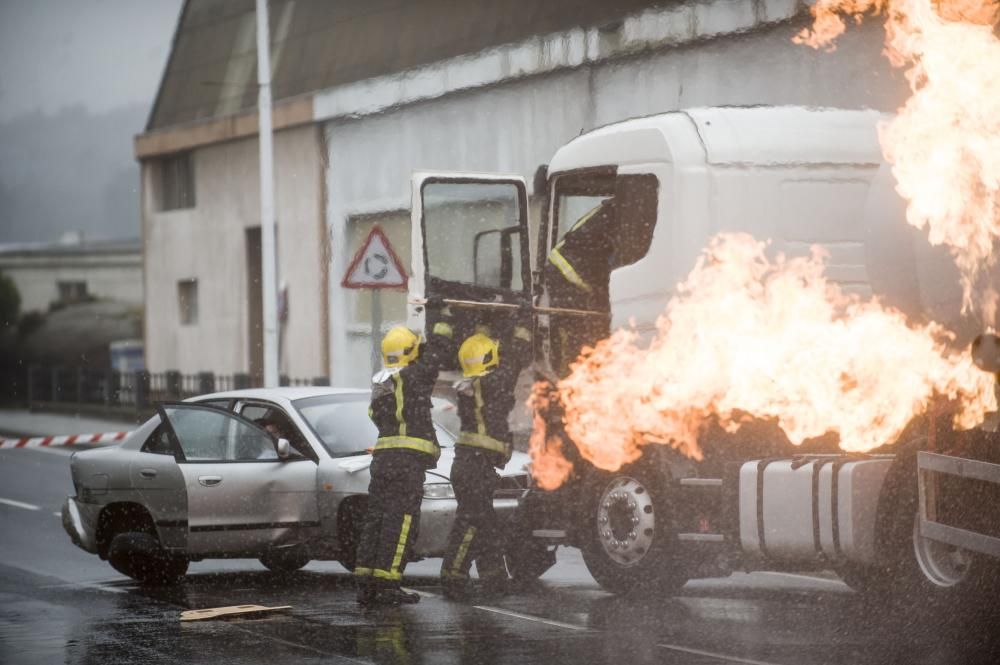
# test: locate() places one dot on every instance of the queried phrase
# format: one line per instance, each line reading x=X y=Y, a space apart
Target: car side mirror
x=282 y=446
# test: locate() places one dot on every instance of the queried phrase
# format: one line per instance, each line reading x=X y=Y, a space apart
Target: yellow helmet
x=400 y=347
x=478 y=355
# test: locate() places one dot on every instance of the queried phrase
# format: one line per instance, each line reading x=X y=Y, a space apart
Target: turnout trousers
x=476 y=534
x=392 y=522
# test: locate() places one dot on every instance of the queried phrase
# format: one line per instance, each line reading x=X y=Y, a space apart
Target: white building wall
x=486 y=113
x=208 y=243
x=115 y=277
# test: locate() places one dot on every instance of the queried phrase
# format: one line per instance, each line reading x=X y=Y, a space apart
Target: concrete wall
x=509 y=110
x=115 y=277
x=208 y=243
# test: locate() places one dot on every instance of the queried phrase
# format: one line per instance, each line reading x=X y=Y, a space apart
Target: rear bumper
x=78 y=529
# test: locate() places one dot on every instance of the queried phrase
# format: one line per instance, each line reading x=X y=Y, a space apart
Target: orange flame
x=549 y=466
x=944 y=143
x=769 y=338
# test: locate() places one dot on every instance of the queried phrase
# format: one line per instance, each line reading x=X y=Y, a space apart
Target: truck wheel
x=285 y=561
x=629 y=544
x=139 y=556
x=913 y=569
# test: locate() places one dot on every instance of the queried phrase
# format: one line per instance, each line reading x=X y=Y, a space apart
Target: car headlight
x=439 y=491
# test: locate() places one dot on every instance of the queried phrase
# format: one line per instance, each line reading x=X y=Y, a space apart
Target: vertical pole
x=376 y=330
x=269 y=281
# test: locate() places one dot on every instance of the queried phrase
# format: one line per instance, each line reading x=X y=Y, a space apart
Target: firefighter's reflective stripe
x=557 y=259
x=482 y=441
x=363 y=572
x=394 y=574
x=463 y=551
x=398 y=380
x=477 y=388
x=583 y=220
x=409 y=443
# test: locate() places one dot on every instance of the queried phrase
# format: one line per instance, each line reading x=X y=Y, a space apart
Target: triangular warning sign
x=375 y=266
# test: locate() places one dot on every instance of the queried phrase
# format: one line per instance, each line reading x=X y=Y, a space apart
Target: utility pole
x=269 y=277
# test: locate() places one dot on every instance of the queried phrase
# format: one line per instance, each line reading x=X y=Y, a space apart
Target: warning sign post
x=375 y=266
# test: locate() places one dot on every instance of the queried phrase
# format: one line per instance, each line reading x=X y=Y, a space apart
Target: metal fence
x=127 y=392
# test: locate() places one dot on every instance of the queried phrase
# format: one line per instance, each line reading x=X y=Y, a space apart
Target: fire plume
x=944 y=143
x=750 y=336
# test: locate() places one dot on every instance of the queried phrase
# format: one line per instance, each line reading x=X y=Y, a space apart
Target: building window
x=187 y=301
x=72 y=292
x=176 y=182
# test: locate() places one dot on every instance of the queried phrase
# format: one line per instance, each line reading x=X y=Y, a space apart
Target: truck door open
x=470 y=244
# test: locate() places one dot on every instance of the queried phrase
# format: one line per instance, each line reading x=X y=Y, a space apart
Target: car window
x=155 y=438
x=210 y=435
x=277 y=423
x=342 y=425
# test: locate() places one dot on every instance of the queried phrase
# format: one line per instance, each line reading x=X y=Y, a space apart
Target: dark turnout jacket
x=485 y=402
x=401 y=400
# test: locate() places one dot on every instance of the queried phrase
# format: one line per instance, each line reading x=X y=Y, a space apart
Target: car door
x=241 y=497
x=469 y=244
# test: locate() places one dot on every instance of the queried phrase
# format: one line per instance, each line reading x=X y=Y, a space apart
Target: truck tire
x=139 y=556
x=629 y=541
x=912 y=570
x=286 y=561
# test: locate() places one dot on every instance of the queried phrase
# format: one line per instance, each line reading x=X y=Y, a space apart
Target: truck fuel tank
x=799 y=509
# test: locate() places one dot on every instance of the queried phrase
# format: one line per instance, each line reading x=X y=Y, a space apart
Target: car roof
x=289 y=393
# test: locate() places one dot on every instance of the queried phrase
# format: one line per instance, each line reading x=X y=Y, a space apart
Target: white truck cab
x=794 y=176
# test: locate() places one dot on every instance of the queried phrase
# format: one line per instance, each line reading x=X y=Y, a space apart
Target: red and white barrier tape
x=42 y=441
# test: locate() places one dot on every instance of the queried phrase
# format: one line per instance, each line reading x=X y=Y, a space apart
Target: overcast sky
x=102 y=54
x=77 y=79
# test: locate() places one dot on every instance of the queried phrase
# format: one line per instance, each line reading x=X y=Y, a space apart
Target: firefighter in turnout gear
x=406 y=448
x=577 y=276
x=485 y=400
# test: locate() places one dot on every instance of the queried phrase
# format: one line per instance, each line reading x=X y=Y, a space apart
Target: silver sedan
x=278 y=474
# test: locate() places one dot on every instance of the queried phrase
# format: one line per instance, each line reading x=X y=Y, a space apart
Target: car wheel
x=629 y=544
x=139 y=556
x=286 y=560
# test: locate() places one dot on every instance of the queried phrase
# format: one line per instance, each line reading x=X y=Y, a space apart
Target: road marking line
x=810 y=578
x=570 y=626
x=19 y=504
x=528 y=617
x=57 y=513
x=712 y=654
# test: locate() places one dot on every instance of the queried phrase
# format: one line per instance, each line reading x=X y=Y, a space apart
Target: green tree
x=10 y=303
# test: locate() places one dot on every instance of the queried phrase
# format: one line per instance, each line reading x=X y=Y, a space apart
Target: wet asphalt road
x=61 y=605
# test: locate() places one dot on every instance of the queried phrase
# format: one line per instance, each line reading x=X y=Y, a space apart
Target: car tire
x=286 y=560
x=629 y=542
x=138 y=555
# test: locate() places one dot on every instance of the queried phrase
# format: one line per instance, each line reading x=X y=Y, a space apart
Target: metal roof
x=318 y=44
x=89 y=247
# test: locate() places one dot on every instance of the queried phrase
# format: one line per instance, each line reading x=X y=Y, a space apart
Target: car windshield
x=342 y=425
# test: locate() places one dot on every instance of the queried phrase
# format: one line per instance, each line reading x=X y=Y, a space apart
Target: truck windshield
x=635 y=200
